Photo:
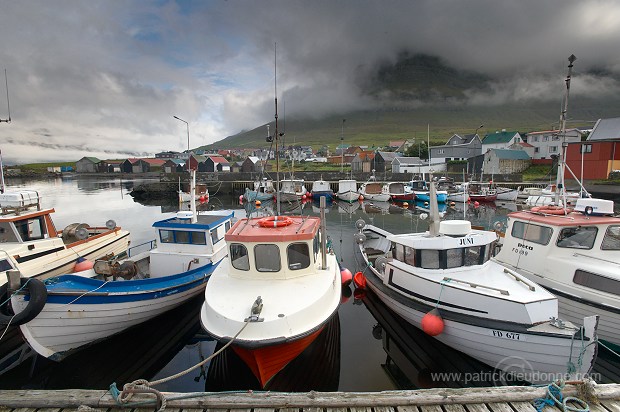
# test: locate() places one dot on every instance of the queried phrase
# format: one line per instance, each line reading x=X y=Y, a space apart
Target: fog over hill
x=419 y=92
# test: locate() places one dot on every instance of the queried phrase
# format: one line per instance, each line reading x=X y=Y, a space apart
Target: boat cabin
x=292 y=186
x=374 y=188
x=22 y=219
x=419 y=185
x=321 y=186
x=260 y=248
x=347 y=185
x=396 y=188
x=183 y=245
x=456 y=246
x=264 y=186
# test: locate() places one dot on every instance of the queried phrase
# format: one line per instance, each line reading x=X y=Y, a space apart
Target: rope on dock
x=123 y=397
x=554 y=397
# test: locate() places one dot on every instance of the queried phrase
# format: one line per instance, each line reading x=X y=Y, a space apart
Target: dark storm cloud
x=109 y=76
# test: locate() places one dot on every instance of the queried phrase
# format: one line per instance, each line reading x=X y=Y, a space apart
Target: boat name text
x=525 y=246
x=506 y=335
x=466 y=241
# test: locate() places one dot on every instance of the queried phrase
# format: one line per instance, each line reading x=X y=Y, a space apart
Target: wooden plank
x=611 y=406
x=431 y=408
x=383 y=409
x=499 y=407
x=593 y=407
x=477 y=407
x=73 y=398
x=454 y=408
x=524 y=406
x=307 y=410
x=408 y=409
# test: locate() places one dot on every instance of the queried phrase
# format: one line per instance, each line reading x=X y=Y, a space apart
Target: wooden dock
x=605 y=398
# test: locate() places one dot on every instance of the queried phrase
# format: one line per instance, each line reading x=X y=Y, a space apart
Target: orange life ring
x=551 y=210
x=275 y=221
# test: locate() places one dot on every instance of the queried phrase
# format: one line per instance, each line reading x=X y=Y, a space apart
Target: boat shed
x=87 y=165
x=505 y=161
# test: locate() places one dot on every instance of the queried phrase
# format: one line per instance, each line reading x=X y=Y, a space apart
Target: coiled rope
x=554 y=397
x=123 y=397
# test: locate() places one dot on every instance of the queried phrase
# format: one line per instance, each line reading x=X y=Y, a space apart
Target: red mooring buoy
x=360 y=280
x=346 y=276
x=432 y=323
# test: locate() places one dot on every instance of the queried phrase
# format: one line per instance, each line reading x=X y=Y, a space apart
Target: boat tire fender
x=275 y=221
x=38 y=297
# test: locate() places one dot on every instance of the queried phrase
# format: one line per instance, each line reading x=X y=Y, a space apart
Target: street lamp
x=479 y=127
x=187 y=125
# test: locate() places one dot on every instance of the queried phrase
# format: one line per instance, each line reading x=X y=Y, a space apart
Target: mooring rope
x=554 y=397
x=123 y=397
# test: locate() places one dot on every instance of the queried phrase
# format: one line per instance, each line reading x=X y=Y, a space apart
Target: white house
x=500 y=140
x=549 y=142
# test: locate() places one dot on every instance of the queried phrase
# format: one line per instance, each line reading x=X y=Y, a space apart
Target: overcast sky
x=104 y=78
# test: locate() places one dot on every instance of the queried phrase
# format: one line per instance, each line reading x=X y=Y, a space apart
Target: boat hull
x=349 y=196
x=82 y=311
x=482 y=198
x=379 y=197
x=509 y=195
x=406 y=197
x=328 y=195
x=252 y=195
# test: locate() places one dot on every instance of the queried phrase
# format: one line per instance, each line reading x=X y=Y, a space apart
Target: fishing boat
x=445 y=282
x=202 y=194
x=420 y=190
x=276 y=291
x=373 y=190
x=575 y=254
x=507 y=193
x=31 y=244
x=292 y=190
x=117 y=294
x=481 y=192
x=397 y=192
x=263 y=190
x=321 y=188
x=547 y=197
x=347 y=190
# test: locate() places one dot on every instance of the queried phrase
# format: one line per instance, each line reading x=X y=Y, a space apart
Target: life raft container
x=551 y=210
x=275 y=221
x=38 y=296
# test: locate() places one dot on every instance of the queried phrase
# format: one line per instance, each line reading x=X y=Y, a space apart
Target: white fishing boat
x=347 y=190
x=292 y=190
x=507 y=193
x=31 y=244
x=72 y=311
x=547 y=197
x=529 y=191
x=275 y=292
x=373 y=190
x=575 y=254
x=445 y=282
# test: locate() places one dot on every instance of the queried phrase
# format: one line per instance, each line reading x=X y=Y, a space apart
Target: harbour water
x=374 y=349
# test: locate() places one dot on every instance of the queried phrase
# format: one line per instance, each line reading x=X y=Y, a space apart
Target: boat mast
x=559 y=189
x=6 y=81
x=275 y=88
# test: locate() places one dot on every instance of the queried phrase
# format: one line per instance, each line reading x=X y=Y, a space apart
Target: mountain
x=419 y=92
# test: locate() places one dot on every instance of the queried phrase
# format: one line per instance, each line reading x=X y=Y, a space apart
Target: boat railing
x=142 y=247
x=520 y=279
x=576 y=254
x=476 y=285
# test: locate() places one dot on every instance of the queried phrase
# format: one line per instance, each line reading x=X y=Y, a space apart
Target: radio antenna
x=6 y=81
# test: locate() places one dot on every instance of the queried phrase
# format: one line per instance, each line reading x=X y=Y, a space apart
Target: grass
x=538 y=172
x=42 y=167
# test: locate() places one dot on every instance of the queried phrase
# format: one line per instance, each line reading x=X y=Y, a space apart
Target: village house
x=109 y=166
x=505 y=161
x=382 y=161
x=599 y=155
x=169 y=155
x=526 y=147
x=216 y=164
x=500 y=140
x=547 y=144
x=87 y=165
x=173 y=166
x=251 y=164
x=402 y=164
x=362 y=162
x=458 y=148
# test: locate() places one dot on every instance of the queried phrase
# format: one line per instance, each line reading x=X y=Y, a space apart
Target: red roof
x=301 y=228
x=218 y=159
x=524 y=144
x=575 y=219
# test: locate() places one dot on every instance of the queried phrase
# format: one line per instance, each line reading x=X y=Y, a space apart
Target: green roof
x=511 y=154
x=498 y=137
x=92 y=159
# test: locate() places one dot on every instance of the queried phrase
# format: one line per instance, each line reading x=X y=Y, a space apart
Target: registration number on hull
x=507 y=335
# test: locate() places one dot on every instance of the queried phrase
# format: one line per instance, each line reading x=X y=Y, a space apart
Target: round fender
x=275 y=221
x=38 y=296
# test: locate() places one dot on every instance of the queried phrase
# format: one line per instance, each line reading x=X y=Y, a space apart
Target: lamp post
x=479 y=127
x=187 y=125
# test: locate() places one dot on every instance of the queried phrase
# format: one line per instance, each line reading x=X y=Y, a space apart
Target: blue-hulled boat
x=263 y=190
x=421 y=191
x=321 y=188
x=85 y=307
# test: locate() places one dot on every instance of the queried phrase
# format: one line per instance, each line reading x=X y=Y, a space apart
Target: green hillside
x=424 y=78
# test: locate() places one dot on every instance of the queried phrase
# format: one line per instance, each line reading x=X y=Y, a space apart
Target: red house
x=598 y=155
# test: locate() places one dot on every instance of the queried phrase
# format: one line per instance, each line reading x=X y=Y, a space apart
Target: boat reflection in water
x=416 y=360
x=316 y=368
x=138 y=353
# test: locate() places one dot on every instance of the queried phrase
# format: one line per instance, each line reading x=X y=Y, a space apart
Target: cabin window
x=533 y=233
x=215 y=237
x=577 y=237
x=239 y=256
x=429 y=259
x=198 y=238
x=31 y=229
x=166 y=236
x=598 y=282
x=611 y=241
x=473 y=255
x=398 y=252
x=181 y=237
x=298 y=256
x=5 y=265
x=6 y=233
x=409 y=255
x=226 y=226
x=267 y=258
x=454 y=258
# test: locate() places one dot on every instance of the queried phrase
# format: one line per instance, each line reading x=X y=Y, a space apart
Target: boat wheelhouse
x=32 y=245
x=420 y=190
x=573 y=254
x=291 y=190
x=274 y=293
x=397 y=192
x=263 y=190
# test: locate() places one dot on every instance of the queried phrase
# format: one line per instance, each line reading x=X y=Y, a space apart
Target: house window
x=553 y=149
x=545 y=138
x=534 y=138
x=441 y=151
x=586 y=148
x=536 y=149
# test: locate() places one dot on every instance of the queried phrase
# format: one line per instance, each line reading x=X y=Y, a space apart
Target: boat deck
x=605 y=398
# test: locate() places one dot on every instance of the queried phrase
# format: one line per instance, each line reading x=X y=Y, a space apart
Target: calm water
x=377 y=351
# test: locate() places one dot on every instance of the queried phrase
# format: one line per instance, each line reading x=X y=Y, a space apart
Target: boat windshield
x=267 y=258
x=239 y=256
x=31 y=229
x=611 y=241
x=577 y=237
x=298 y=256
x=182 y=237
x=531 y=232
x=442 y=259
